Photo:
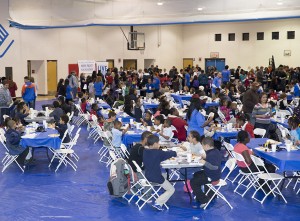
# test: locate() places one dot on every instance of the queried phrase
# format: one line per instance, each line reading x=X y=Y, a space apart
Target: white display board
x=102 y=66
x=86 y=66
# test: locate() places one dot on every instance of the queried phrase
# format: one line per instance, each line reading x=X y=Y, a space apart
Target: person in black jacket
x=13 y=138
x=57 y=112
x=62 y=127
x=152 y=159
x=210 y=174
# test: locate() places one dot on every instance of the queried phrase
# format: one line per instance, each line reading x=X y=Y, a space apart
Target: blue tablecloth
x=128 y=139
x=212 y=104
x=104 y=105
x=180 y=97
x=254 y=142
x=285 y=124
x=125 y=119
x=226 y=134
x=286 y=161
x=42 y=140
x=150 y=106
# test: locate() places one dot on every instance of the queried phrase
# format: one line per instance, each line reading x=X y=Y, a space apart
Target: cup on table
x=273 y=147
x=27 y=130
x=131 y=121
x=120 y=119
x=184 y=106
x=189 y=157
x=288 y=147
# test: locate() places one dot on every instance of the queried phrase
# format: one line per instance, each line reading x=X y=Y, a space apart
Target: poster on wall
x=86 y=66
x=102 y=66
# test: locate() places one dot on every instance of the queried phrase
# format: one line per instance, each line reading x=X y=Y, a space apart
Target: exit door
x=52 y=77
x=219 y=63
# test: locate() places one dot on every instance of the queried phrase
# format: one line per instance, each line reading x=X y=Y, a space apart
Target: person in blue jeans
x=98 y=85
x=210 y=174
x=69 y=91
x=226 y=75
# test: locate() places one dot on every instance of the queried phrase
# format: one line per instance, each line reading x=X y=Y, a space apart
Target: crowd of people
x=261 y=92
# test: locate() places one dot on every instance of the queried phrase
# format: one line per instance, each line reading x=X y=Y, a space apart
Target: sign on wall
x=3 y=38
x=102 y=66
x=86 y=66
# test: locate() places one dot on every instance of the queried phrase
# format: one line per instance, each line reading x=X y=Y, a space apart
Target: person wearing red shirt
x=83 y=104
x=178 y=123
x=244 y=124
x=273 y=95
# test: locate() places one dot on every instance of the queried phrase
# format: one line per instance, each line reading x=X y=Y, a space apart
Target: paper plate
x=53 y=135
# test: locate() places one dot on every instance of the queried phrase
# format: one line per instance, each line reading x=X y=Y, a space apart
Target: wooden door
x=130 y=63
x=111 y=63
x=51 y=77
x=187 y=62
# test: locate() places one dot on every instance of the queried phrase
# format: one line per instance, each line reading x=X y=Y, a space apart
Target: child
x=57 y=112
x=273 y=94
x=282 y=102
x=138 y=110
x=147 y=121
x=210 y=174
x=62 y=127
x=293 y=123
x=243 y=122
x=13 y=138
x=97 y=112
x=195 y=146
x=224 y=109
x=117 y=134
x=152 y=159
x=166 y=133
x=83 y=104
x=158 y=121
x=150 y=88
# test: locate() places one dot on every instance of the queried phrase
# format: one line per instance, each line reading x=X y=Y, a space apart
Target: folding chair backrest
x=228 y=146
x=230 y=164
x=112 y=155
x=257 y=161
x=79 y=108
x=239 y=157
x=70 y=129
x=221 y=115
x=124 y=150
x=259 y=131
x=78 y=131
x=64 y=136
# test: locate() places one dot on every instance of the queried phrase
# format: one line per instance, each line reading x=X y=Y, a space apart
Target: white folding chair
x=273 y=178
x=260 y=132
x=247 y=180
x=125 y=151
x=221 y=115
x=230 y=165
x=155 y=188
x=63 y=155
x=229 y=148
x=8 y=158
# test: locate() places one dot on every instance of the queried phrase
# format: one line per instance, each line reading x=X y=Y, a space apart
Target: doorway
x=111 y=63
x=148 y=63
x=51 y=77
x=219 y=63
x=129 y=64
x=188 y=62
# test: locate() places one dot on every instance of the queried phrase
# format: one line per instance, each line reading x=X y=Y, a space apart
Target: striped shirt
x=260 y=110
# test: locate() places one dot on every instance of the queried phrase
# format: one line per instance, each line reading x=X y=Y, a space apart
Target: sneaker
x=157 y=206
x=203 y=205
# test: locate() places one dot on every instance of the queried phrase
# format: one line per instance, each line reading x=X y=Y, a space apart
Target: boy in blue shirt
x=150 y=88
x=210 y=174
x=152 y=159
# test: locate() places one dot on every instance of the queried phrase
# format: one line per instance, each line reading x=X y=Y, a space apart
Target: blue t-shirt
x=225 y=75
x=148 y=88
x=187 y=79
x=195 y=122
x=69 y=92
x=156 y=83
x=98 y=88
x=217 y=82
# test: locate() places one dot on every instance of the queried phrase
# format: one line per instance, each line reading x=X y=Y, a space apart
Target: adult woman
x=83 y=85
x=98 y=85
x=69 y=91
x=12 y=88
x=61 y=88
x=195 y=119
x=178 y=123
x=262 y=113
x=128 y=106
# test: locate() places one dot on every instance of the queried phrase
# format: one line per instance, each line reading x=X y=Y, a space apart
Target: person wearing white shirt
x=194 y=146
x=117 y=134
x=166 y=133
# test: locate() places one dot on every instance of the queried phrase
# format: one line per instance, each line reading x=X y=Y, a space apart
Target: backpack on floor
x=119 y=181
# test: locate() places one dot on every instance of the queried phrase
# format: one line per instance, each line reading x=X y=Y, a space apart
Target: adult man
x=156 y=83
x=73 y=83
x=5 y=98
x=28 y=92
x=250 y=98
x=226 y=75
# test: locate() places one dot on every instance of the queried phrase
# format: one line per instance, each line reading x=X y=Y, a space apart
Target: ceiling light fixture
x=199 y=9
x=279 y=3
x=160 y=3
